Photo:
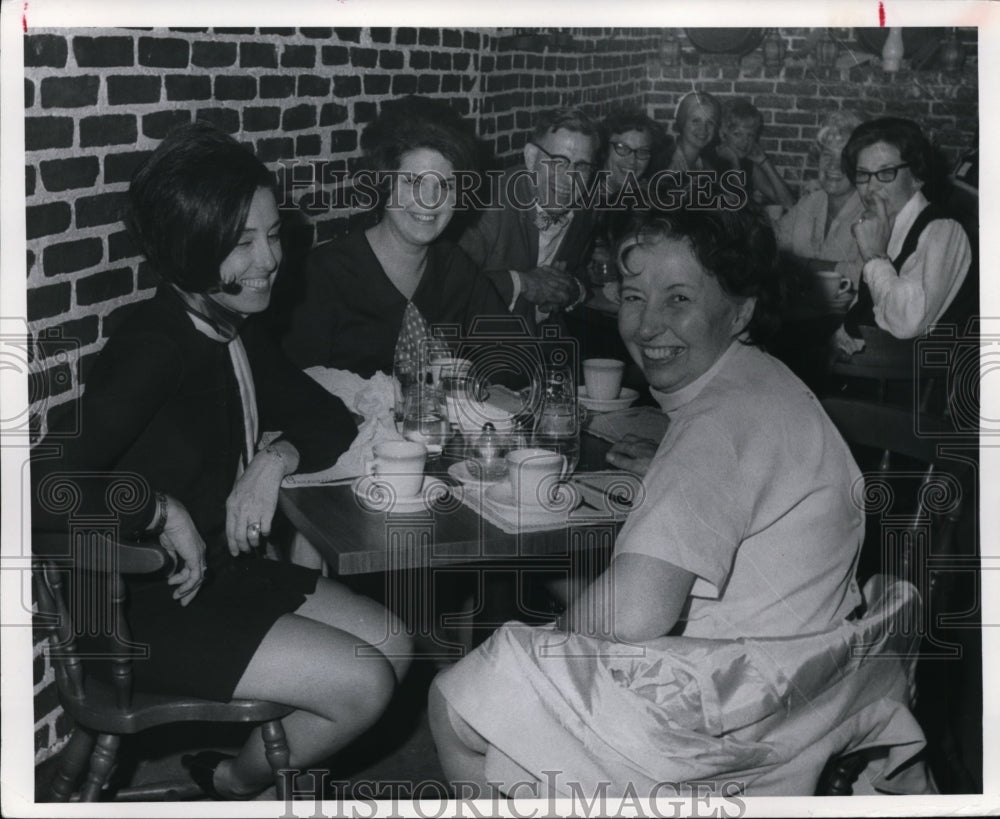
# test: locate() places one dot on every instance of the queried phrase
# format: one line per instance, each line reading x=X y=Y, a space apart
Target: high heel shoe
x=201 y=767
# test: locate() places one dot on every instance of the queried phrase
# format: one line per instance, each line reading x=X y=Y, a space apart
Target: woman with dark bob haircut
x=746 y=531
x=372 y=295
x=178 y=398
x=916 y=260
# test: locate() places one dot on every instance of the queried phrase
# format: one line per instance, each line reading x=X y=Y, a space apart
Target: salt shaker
x=489 y=453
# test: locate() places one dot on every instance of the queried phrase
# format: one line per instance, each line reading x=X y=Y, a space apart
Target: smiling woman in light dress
x=359 y=288
x=747 y=530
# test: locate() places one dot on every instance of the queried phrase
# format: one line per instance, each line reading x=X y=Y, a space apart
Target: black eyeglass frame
x=892 y=172
x=623 y=150
x=579 y=166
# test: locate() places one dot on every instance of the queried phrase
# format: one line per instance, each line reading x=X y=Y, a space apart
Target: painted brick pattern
x=795 y=99
x=98 y=101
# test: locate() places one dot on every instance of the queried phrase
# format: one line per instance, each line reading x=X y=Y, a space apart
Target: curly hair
x=408 y=124
x=188 y=203
x=737 y=247
x=623 y=121
x=903 y=134
x=837 y=128
x=737 y=111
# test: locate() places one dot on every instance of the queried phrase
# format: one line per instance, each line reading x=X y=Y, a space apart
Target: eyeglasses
x=624 y=150
x=563 y=162
x=882 y=174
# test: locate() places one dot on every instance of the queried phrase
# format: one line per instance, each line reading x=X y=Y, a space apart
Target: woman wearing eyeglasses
x=633 y=150
x=372 y=294
x=916 y=260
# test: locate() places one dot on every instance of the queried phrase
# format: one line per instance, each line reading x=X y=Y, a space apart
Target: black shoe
x=201 y=766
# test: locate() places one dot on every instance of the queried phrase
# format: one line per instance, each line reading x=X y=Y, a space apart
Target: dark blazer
x=162 y=403
x=505 y=237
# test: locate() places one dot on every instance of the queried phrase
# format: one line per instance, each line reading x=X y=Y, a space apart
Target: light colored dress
x=803 y=232
x=753 y=491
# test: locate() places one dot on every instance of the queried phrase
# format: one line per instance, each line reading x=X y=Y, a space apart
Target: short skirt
x=203 y=649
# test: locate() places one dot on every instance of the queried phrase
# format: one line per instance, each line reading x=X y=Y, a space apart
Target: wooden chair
x=101 y=712
x=918 y=543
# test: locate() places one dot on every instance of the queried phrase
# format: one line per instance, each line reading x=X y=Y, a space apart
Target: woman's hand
x=844 y=346
x=250 y=506
x=756 y=154
x=633 y=453
x=872 y=230
x=181 y=539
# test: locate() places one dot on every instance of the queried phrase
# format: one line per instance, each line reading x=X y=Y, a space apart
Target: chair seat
x=97 y=710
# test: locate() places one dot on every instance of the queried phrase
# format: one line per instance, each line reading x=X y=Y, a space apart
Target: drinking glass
x=425 y=417
x=557 y=423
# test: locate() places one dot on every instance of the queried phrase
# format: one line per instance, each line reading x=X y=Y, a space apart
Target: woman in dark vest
x=917 y=261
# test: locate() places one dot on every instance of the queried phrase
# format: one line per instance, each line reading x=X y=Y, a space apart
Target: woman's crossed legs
x=337 y=660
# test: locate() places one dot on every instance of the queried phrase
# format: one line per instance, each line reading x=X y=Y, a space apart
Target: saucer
x=377 y=496
x=625 y=399
x=460 y=472
x=502 y=496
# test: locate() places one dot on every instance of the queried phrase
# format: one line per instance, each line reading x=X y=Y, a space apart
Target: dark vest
x=862 y=313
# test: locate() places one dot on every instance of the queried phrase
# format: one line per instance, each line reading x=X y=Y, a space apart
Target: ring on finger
x=253 y=529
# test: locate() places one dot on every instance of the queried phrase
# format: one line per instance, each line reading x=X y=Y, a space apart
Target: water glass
x=425 y=417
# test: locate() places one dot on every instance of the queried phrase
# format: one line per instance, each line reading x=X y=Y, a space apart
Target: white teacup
x=832 y=285
x=534 y=475
x=603 y=377
x=400 y=465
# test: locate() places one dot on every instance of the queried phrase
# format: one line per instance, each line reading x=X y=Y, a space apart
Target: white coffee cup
x=603 y=377
x=832 y=285
x=400 y=465
x=534 y=474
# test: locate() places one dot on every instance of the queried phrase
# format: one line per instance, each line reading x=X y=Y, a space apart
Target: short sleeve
x=695 y=512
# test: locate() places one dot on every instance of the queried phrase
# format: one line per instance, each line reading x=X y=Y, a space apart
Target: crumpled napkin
x=373 y=399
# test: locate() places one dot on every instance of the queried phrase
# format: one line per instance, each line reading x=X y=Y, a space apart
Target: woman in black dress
x=179 y=397
x=362 y=289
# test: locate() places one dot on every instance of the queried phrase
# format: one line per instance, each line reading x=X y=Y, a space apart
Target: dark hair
x=413 y=122
x=620 y=122
x=738 y=110
x=903 y=134
x=189 y=201
x=565 y=119
x=737 y=247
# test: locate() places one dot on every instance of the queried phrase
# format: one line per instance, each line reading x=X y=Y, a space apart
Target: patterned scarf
x=414 y=333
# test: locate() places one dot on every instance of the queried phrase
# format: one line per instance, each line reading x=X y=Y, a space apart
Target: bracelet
x=160 y=518
x=878 y=257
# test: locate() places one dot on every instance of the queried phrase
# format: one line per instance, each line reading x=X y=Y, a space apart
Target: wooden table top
x=356 y=540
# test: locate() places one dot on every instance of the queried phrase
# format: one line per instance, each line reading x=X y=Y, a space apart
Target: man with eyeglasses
x=918 y=269
x=533 y=231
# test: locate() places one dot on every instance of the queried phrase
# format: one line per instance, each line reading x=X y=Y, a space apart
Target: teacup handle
x=845 y=285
